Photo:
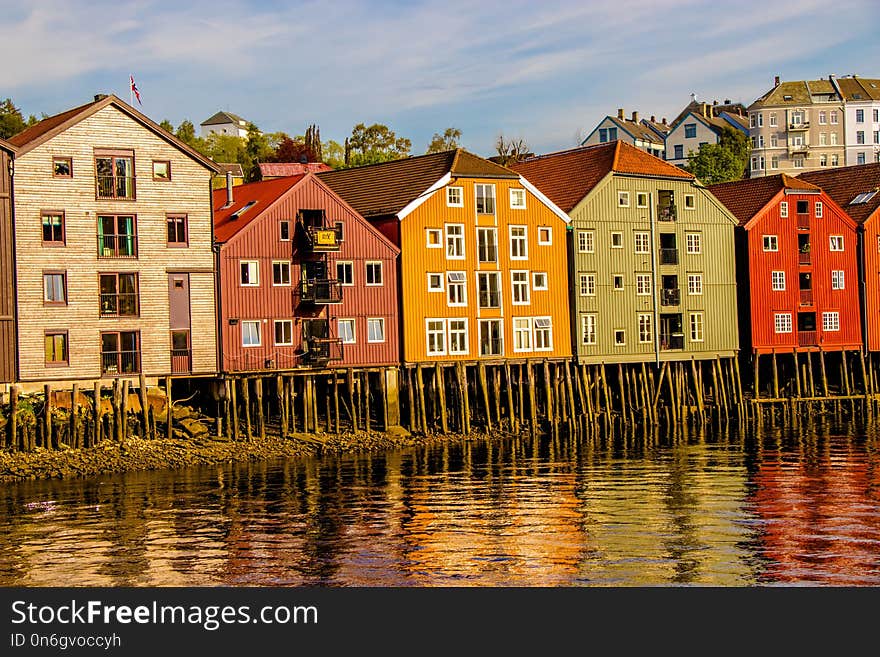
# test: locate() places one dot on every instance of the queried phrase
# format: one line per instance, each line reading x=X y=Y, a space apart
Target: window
x=587 y=285
x=545 y=235
x=543 y=334
x=837 y=279
x=802 y=207
x=773 y=123
x=877 y=136
x=519 y=283
x=607 y=134
x=283 y=332
x=588 y=329
x=489 y=288
x=641 y=200
x=782 y=322
x=617 y=281
x=485 y=198
x=831 y=321
x=586 y=241
x=755 y=164
x=753 y=121
x=643 y=284
x=62 y=167
x=645 y=330
x=860 y=136
x=55 y=288
x=522 y=334
x=783 y=209
x=690 y=130
x=774 y=141
x=823 y=117
x=771 y=243
x=491 y=339
x=623 y=199
x=860 y=116
x=833 y=137
x=696 y=321
x=877 y=116
x=456 y=288
x=695 y=284
x=435 y=282
x=487 y=245
x=284 y=231
x=433 y=238
x=694 y=243
x=777 y=281
x=374 y=273
x=823 y=160
x=280 y=272
x=454 y=197
x=797 y=163
x=834 y=160
x=619 y=338
x=519 y=246
x=835 y=242
x=345 y=330
x=823 y=139
x=642 y=242
x=818 y=208
x=760 y=120
x=774 y=162
x=117 y=236
x=860 y=158
x=161 y=170
x=518 y=199
x=833 y=117
x=55 y=347
x=678 y=152
x=177 y=230
x=458 y=336
x=249 y=273
x=455 y=241
x=114 y=173
x=345 y=272
x=375 y=329
x=119 y=295
x=120 y=352
x=539 y=280
x=53 y=228
x=690 y=202
x=250 y=333
x=616 y=240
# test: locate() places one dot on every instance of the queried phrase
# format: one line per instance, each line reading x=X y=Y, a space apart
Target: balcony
x=794 y=127
x=320 y=291
x=117 y=246
x=668 y=256
x=667 y=213
x=798 y=149
x=808 y=339
x=322 y=239
x=670 y=297
x=803 y=221
x=806 y=297
x=670 y=342
x=118 y=187
x=121 y=304
x=120 y=362
x=319 y=351
x=181 y=361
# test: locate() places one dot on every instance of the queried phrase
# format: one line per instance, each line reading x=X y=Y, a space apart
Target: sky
x=545 y=72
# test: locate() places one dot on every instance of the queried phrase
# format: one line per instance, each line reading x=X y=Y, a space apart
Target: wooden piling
x=96 y=413
x=261 y=419
x=168 y=404
x=511 y=415
x=824 y=372
x=440 y=383
x=845 y=373
x=484 y=389
x=246 y=404
x=336 y=401
x=420 y=390
x=349 y=383
x=233 y=401
x=75 y=439
x=569 y=391
x=365 y=390
x=533 y=413
x=810 y=371
x=548 y=395
x=13 y=417
x=47 y=417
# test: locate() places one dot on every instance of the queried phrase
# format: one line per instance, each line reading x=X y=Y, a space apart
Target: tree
x=293 y=150
x=313 y=143
x=510 y=150
x=374 y=144
x=12 y=121
x=333 y=154
x=166 y=126
x=445 y=142
x=225 y=148
x=722 y=162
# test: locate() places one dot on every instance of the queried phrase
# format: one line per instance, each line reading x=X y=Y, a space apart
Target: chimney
x=727 y=101
x=776 y=81
x=653 y=119
x=229 y=196
x=635 y=118
x=663 y=120
x=703 y=107
x=620 y=113
x=100 y=97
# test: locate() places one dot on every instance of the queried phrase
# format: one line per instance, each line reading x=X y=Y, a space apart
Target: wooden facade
x=307 y=300
x=115 y=267
x=7 y=267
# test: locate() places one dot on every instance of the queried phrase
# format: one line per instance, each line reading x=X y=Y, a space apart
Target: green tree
x=374 y=144
x=12 y=121
x=445 y=142
x=722 y=162
x=225 y=148
x=333 y=154
x=166 y=126
x=313 y=143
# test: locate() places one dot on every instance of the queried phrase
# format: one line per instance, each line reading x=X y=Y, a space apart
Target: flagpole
x=130 y=91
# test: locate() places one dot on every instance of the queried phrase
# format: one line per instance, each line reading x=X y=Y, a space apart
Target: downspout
x=863 y=286
x=218 y=312
x=573 y=314
x=652 y=209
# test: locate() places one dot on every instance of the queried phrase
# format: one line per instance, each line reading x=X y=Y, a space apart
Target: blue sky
x=546 y=72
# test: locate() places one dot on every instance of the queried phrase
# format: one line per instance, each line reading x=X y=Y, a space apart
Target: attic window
x=863 y=198
x=857 y=96
x=248 y=206
x=786 y=97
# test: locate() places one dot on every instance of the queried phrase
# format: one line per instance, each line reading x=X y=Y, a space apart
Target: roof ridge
x=616 y=155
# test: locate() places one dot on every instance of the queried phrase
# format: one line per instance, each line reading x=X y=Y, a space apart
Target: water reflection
x=713 y=508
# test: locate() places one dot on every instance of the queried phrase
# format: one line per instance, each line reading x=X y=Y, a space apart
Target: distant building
x=225 y=123
x=234 y=168
x=862 y=118
x=632 y=131
x=698 y=124
x=271 y=170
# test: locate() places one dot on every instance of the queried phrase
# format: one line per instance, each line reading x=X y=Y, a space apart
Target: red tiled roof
x=281 y=169
x=843 y=184
x=567 y=177
x=745 y=198
x=262 y=194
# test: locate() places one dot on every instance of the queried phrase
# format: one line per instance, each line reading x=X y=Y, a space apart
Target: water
x=725 y=508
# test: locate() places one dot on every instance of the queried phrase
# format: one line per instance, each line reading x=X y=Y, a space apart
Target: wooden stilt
x=96 y=413
x=411 y=406
x=261 y=418
x=484 y=389
x=866 y=382
x=440 y=383
x=775 y=378
x=233 y=402
x=755 y=381
x=291 y=390
x=663 y=373
x=845 y=373
x=47 y=416
x=13 y=417
x=810 y=371
x=336 y=422
x=246 y=404
x=569 y=391
x=168 y=404
x=824 y=372
x=145 y=406
x=509 y=397
x=75 y=440
x=282 y=406
x=548 y=395
x=496 y=393
x=420 y=388
x=609 y=406
x=533 y=412
x=349 y=382
x=698 y=393
x=365 y=393
x=797 y=375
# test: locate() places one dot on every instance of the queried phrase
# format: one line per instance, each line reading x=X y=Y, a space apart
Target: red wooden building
x=305 y=281
x=796 y=266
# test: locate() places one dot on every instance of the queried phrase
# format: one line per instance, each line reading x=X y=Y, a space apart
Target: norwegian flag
x=134 y=90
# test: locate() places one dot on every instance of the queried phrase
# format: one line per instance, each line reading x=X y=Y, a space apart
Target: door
x=179 y=323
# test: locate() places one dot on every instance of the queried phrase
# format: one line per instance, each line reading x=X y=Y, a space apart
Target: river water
x=724 y=507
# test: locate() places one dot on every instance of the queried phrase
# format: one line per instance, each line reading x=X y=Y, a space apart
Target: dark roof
x=859 y=88
x=232 y=167
x=736 y=118
x=260 y=194
x=48 y=128
x=387 y=188
x=843 y=184
x=223 y=117
x=568 y=176
x=746 y=198
x=713 y=110
x=796 y=92
x=281 y=169
x=637 y=130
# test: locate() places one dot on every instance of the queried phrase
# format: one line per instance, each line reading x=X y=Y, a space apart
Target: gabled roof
x=746 y=198
x=662 y=129
x=231 y=167
x=48 y=128
x=385 y=189
x=6 y=146
x=281 y=169
x=796 y=92
x=712 y=109
x=260 y=194
x=568 y=176
x=845 y=184
x=856 y=89
x=736 y=120
x=221 y=118
x=637 y=130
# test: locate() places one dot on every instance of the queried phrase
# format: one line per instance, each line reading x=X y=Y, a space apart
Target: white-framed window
x=374 y=273
x=375 y=329
x=771 y=242
x=433 y=238
x=249 y=273
x=694 y=243
x=456 y=288
x=588 y=329
x=491 y=337
x=251 y=333
x=485 y=196
x=587 y=285
x=753 y=121
x=774 y=141
x=760 y=120
x=696 y=321
x=539 y=281
x=835 y=242
x=487 y=245
x=345 y=272
x=837 y=280
x=642 y=242
x=519 y=244
x=774 y=162
x=819 y=209
x=823 y=117
x=641 y=200
x=458 y=336
x=545 y=235
x=823 y=138
x=345 y=330
x=643 y=284
x=617 y=282
x=777 y=281
x=646 y=333
x=455 y=241
x=783 y=209
x=519 y=285
x=695 y=284
x=586 y=241
x=283 y=332
x=435 y=335
x=517 y=198
x=623 y=199
x=833 y=138
x=823 y=160
x=489 y=289
x=454 y=197
x=522 y=333
x=543 y=334
x=690 y=202
x=435 y=282
x=773 y=119
x=284 y=230
x=798 y=163
x=616 y=240
x=755 y=163
x=831 y=321
x=280 y=273
x=619 y=338
x=833 y=116
x=782 y=322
